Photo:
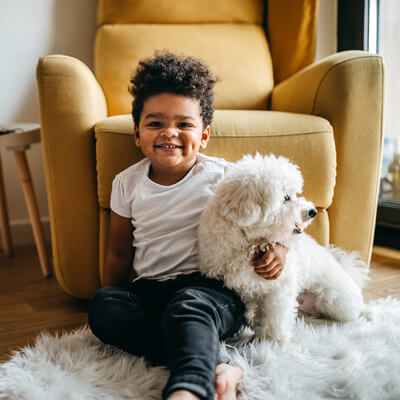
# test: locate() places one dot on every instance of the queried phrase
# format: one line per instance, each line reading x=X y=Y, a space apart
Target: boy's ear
x=136 y=135
x=205 y=137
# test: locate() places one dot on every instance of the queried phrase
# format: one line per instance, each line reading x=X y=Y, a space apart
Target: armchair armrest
x=347 y=89
x=71 y=102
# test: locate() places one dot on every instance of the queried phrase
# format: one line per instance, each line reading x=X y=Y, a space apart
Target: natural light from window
x=384 y=38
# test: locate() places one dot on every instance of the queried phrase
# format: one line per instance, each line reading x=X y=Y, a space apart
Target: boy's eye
x=184 y=125
x=287 y=197
x=154 y=124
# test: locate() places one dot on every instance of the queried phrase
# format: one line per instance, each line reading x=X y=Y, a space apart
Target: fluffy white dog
x=255 y=205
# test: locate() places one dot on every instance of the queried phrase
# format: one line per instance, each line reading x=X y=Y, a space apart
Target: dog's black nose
x=312 y=213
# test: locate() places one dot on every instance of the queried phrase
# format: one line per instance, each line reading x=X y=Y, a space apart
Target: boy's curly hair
x=168 y=73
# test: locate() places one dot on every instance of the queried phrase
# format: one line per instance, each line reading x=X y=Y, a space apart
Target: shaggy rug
x=325 y=360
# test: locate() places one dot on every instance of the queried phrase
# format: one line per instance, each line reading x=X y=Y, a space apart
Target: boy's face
x=170 y=133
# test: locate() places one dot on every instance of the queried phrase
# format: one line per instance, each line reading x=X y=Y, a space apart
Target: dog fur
x=258 y=204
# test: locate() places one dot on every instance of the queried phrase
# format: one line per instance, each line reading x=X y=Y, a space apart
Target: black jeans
x=177 y=323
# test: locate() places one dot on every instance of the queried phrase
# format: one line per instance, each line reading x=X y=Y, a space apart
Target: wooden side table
x=25 y=134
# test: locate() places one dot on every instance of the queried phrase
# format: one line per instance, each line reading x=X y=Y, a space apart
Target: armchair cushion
x=245 y=70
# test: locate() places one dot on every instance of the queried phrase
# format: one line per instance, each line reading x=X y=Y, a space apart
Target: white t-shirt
x=165 y=218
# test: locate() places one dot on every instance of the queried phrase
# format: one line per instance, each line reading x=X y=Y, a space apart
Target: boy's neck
x=168 y=177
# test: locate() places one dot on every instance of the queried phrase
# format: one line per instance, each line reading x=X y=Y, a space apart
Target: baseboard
x=22 y=234
x=387 y=253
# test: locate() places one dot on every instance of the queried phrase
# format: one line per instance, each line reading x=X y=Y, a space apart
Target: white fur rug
x=359 y=360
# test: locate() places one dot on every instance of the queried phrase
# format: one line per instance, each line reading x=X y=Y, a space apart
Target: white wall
x=30 y=29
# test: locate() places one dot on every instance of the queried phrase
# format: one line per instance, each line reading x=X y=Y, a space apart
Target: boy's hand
x=269 y=264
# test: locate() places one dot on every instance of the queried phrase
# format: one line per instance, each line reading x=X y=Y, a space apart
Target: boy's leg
x=196 y=318
x=119 y=316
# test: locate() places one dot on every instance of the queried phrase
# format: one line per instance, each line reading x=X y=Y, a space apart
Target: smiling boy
x=170 y=314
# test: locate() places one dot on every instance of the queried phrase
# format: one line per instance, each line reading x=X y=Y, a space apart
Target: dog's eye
x=287 y=198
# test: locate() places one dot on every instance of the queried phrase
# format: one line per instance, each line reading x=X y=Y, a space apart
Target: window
x=374 y=25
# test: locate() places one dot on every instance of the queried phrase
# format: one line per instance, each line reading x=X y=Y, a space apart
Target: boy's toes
x=227 y=380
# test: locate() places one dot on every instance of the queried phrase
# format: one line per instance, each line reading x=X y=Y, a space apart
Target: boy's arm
x=119 y=255
x=270 y=264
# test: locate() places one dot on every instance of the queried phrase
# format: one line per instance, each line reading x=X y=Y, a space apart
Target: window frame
x=353 y=33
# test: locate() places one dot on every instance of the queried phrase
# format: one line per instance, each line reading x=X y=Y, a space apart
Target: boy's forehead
x=165 y=115
x=167 y=104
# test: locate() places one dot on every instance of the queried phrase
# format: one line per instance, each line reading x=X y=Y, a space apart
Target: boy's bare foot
x=182 y=395
x=227 y=380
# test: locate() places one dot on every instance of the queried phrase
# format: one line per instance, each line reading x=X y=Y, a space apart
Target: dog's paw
x=259 y=332
x=283 y=339
x=263 y=333
x=368 y=313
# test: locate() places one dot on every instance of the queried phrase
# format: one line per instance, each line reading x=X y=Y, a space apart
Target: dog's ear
x=238 y=202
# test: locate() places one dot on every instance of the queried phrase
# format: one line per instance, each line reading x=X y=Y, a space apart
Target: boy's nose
x=169 y=132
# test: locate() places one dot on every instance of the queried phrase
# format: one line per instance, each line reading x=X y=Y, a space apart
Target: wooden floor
x=30 y=303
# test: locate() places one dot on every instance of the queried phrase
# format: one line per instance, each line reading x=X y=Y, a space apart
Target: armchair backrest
x=229 y=35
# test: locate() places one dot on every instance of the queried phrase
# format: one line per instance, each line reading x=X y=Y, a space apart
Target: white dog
x=257 y=204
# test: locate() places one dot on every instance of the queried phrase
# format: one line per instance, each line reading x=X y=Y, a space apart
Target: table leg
x=4 y=224
x=33 y=210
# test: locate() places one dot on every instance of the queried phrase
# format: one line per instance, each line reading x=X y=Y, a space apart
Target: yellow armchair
x=326 y=117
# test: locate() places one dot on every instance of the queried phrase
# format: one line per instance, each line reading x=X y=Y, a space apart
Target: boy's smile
x=170 y=134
